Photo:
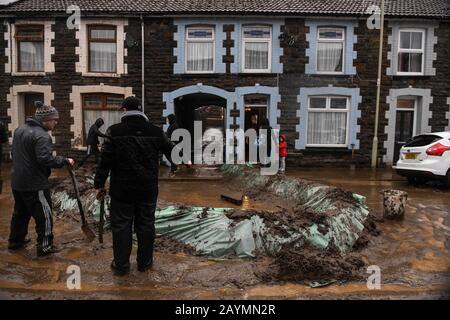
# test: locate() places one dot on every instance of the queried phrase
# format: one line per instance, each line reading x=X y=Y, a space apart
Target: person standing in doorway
x=93 y=142
x=131 y=155
x=32 y=161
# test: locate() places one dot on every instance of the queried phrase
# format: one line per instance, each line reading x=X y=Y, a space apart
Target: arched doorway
x=208 y=109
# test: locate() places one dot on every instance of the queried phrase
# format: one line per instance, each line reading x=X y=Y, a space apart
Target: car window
x=423 y=140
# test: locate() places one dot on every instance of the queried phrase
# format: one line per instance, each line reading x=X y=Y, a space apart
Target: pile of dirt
x=371 y=229
x=64 y=184
x=286 y=220
x=304 y=264
x=164 y=244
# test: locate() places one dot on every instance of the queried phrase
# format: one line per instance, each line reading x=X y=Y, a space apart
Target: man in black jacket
x=131 y=154
x=32 y=160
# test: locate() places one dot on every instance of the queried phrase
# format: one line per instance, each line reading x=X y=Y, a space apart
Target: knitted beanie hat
x=45 y=112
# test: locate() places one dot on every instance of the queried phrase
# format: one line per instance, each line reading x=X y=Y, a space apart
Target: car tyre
x=411 y=180
x=447 y=180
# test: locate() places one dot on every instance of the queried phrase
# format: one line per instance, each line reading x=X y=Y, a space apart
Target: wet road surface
x=413 y=255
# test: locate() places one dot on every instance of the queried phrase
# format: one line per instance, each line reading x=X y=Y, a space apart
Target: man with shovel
x=131 y=154
x=32 y=161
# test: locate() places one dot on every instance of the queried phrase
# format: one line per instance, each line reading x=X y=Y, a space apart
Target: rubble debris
x=165 y=244
x=234 y=199
x=305 y=264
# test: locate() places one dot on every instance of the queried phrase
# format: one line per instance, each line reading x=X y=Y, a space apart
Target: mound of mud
x=305 y=264
x=84 y=176
x=164 y=244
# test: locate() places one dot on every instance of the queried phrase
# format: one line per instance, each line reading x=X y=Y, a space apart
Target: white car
x=426 y=157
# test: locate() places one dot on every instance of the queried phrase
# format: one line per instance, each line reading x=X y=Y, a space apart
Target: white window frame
x=328 y=109
x=422 y=51
x=408 y=109
x=49 y=49
x=258 y=40
x=89 y=28
x=343 y=41
x=213 y=40
x=82 y=66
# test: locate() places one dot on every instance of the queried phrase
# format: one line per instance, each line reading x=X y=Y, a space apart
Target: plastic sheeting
x=212 y=233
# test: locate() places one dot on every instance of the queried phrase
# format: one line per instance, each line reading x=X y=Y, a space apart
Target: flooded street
x=413 y=254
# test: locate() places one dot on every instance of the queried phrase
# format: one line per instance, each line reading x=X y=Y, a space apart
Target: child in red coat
x=283 y=152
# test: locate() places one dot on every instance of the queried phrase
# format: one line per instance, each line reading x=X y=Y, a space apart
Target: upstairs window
x=200 y=49
x=328 y=121
x=330 y=50
x=257 y=48
x=102 y=49
x=411 y=52
x=30 y=44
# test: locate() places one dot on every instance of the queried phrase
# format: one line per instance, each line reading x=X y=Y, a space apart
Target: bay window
x=200 y=49
x=101 y=105
x=102 y=41
x=30 y=44
x=330 y=50
x=328 y=118
x=257 y=48
x=411 y=51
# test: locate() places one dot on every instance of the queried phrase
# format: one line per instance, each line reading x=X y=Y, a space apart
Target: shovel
x=84 y=226
x=102 y=220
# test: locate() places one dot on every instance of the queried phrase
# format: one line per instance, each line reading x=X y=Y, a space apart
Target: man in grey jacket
x=32 y=161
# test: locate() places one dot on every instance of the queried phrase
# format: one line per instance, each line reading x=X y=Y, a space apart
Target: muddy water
x=413 y=255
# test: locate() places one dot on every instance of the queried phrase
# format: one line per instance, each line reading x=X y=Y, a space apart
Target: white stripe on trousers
x=47 y=214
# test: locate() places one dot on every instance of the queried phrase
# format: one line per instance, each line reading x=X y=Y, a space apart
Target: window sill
x=28 y=74
x=101 y=75
x=257 y=74
x=80 y=148
x=322 y=150
x=338 y=75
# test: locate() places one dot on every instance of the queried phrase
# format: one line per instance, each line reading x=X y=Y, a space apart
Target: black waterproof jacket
x=131 y=154
x=94 y=133
x=32 y=157
x=3 y=138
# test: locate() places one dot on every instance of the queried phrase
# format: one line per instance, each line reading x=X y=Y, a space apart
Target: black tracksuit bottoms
x=122 y=217
x=36 y=204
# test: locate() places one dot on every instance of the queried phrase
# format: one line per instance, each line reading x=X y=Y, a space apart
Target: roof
x=400 y=8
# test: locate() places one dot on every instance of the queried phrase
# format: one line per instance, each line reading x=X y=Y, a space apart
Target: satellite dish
x=130 y=41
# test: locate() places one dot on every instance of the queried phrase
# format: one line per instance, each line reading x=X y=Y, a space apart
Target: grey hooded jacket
x=32 y=157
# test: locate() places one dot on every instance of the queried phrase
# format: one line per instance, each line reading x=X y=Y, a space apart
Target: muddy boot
x=119 y=272
x=145 y=268
x=13 y=246
x=47 y=251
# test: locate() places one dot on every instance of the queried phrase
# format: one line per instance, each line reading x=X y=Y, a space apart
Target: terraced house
x=309 y=66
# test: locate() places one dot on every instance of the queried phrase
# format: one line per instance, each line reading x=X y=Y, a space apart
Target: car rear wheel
x=417 y=180
x=411 y=180
x=447 y=180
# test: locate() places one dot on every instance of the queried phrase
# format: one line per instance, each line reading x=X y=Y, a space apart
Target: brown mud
x=413 y=254
x=305 y=264
x=164 y=244
x=295 y=263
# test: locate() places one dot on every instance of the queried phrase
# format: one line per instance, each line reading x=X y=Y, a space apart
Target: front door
x=404 y=127
x=29 y=100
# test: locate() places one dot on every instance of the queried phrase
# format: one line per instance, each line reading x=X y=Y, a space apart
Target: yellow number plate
x=411 y=156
